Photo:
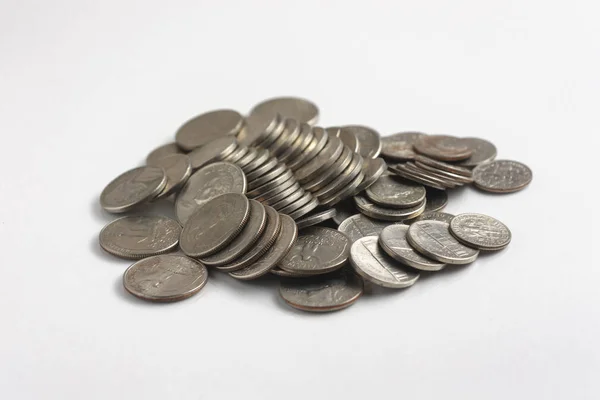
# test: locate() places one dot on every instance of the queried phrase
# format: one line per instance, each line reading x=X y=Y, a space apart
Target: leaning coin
x=214 y=225
x=325 y=159
x=344 y=209
x=455 y=169
x=258 y=128
x=483 y=151
x=393 y=241
x=297 y=108
x=133 y=188
x=369 y=140
x=165 y=278
x=399 y=146
x=346 y=136
x=239 y=153
x=305 y=137
x=402 y=171
x=433 y=240
x=287 y=208
x=140 y=236
x=359 y=225
x=370 y=262
x=424 y=174
x=262 y=155
x=312 y=150
x=285 y=241
x=444 y=174
x=443 y=147
x=387 y=214
x=162 y=151
x=390 y=191
x=436 y=200
x=434 y=216
x=343 y=193
x=372 y=168
x=305 y=209
x=212 y=151
x=318 y=250
x=502 y=176
x=480 y=231
x=343 y=179
x=325 y=293
x=315 y=218
x=206 y=127
x=177 y=168
x=338 y=167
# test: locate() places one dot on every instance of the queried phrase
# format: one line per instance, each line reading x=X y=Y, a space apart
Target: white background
x=88 y=88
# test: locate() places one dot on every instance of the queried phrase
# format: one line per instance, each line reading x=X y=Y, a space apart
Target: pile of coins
x=271 y=193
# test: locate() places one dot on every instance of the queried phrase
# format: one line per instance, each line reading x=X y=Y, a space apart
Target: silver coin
x=273 y=135
x=326 y=293
x=387 y=214
x=177 y=169
x=444 y=174
x=206 y=127
x=212 y=151
x=480 y=231
x=370 y=262
x=271 y=163
x=236 y=155
x=343 y=193
x=283 y=146
x=353 y=169
x=483 y=151
x=287 y=175
x=279 y=170
x=140 y=236
x=433 y=240
x=358 y=226
x=264 y=243
x=280 y=192
x=314 y=148
x=399 y=146
x=346 y=136
x=303 y=200
x=317 y=251
x=247 y=237
x=372 y=169
x=369 y=140
x=324 y=160
x=258 y=128
x=390 y=191
x=207 y=183
x=285 y=241
x=402 y=171
x=502 y=176
x=289 y=202
x=162 y=151
x=393 y=241
x=248 y=158
x=285 y=274
x=443 y=181
x=343 y=210
x=305 y=209
x=321 y=180
x=316 y=218
x=443 y=147
x=262 y=155
x=440 y=165
x=434 y=216
x=299 y=109
x=305 y=136
x=214 y=225
x=436 y=200
x=165 y=278
x=133 y=188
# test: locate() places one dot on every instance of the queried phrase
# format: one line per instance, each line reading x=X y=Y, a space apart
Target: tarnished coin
x=207 y=183
x=434 y=216
x=372 y=169
x=390 y=191
x=324 y=160
x=299 y=109
x=315 y=218
x=285 y=241
x=247 y=237
x=206 y=127
x=359 y=225
x=502 y=176
x=133 y=188
x=393 y=241
x=177 y=169
x=325 y=293
x=162 y=151
x=214 y=225
x=369 y=140
x=317 y=251
x=443 y=147
x=372 y=210
x=433 y=240
x=483 y=151
x=436 y=200
x=212 y=151
x=370 y=262
x=399 y=146
x=165 y=278
x=140 y=236
x=444 y=166
x=480 y=231
x=346 y=136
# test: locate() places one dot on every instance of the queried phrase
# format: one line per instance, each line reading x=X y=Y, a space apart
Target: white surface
x=87 y=89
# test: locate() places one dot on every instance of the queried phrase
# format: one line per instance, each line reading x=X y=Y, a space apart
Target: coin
x=444 y=166
x=441 y=180
x=312 y=150
x=262 y=155
x=297 y=108
x=434 y=216
x=247 y=237
x=443 y=147
x=317 y=251
x=405 y=173
x=433 y=240
x=331 y=173
x=165 y=278
x=239 y=153
x=289 y=199
x=208 y=126
x=436 y=200
x=370 y=262
x=343 y=192
x=270 y=163
x=214 y=225
x=387 y=214
x=359 y=225
x=369 y=140
x=480 y=231
x=248 y=158
x=280 y=192
x=316 y=218
x=212 y=151
x=258 y=128
x=282 y=146
x=372 y=169
x=483 y=151
x=502 y=176
x=285 y=241
x=444 y=174
x=207 y=183
x=344 y=178
x=299 y=202
x=302 y=141
x=346 y=136
x=399 y=146
x=133 y=188
x=390 y=191
x=393 y=241
x=177 y=169
x=279 y=170
x=276 y=182
x=140 y=236
x=325 y=159
x=330 y=292
x=305 y=209
x=162 y=151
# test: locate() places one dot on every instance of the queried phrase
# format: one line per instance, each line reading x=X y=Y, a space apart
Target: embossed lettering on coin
x=480 y=231
x=502 y=176
x=433 y=240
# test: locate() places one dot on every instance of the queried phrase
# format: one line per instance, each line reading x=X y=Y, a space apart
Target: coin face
x=393 y=241
x=207 y=183
x=370 y=262
x=177 y=169
x=212 y=151
x=372 y=210
x=206 y=127
x=483 y=151
x=480 y=231
x=399 y=146
x=369 y=140
x=140 y=236
x=165 y=278
x=214 y=225
x=502 y=176
x=372 y=169
x=433 y=240
x=346 y=136
x=390 y=191
x=162 y=151
x=324 y=293
x=317 y=251
x=297 y=108
x=315 y=218
x=443 y=147
x=132 y=189
x=359 y=225
x=436 y=200
x=434 y=216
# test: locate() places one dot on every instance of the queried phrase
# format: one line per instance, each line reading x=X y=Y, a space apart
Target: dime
x=317 y=251
x=162 y=151
x=214 y=225
x=165 y=278
x=315 y=218
x=247 y=237
x=346 y=136
x=402 y=171
x=372 y=169
x=393 y=241
x=436 y=200
x=314 y=148
x=387 y=214
x=433 y=240
x=440 y=165
x=377 y=267
x=133 y=188
x=212 y=151
x=480 y=231
x=434 y=216
x=325 y=293
x=207 y=183
x=390 y=191
x=285 y=241
x=443 y=181
x=443 y=147
x=444 y=174
x=359 y=225
x=177 y=168
x=399 y=146
x=140 y=236
x=483 y=151
x=293 y=107
x=208 y=126
x=369 y=140
x=502 y=176
x=325 y=159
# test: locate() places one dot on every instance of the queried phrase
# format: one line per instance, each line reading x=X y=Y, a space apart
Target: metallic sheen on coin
x=177 y=169
x=443 y=147
x=433 y=240
x=133 y=188
x=393 y=241
x=206 y=127
x=502 y=176
x=297 y=108
x=162 y=151
x=316 y=218
x=390 y=191
x=359 y=225
x=480 y=231
x=399 y=146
